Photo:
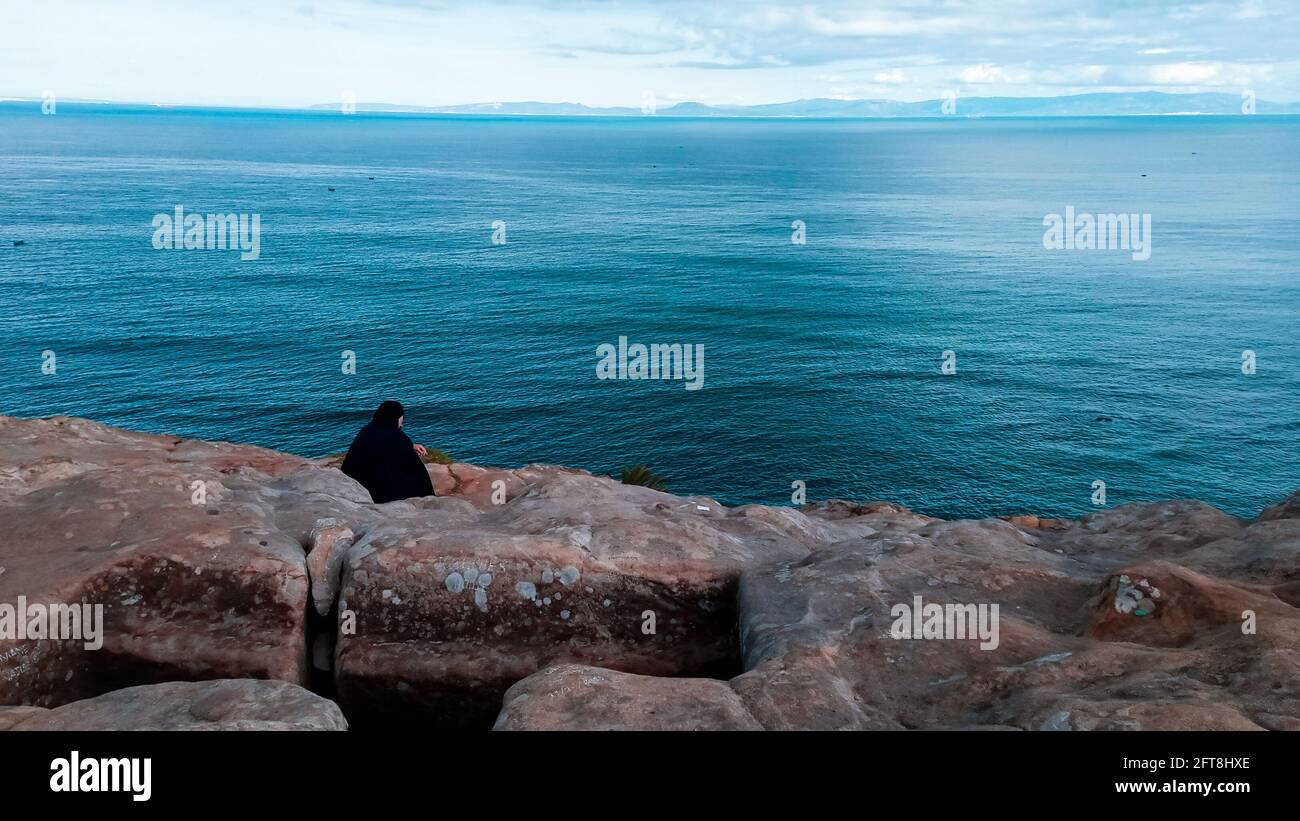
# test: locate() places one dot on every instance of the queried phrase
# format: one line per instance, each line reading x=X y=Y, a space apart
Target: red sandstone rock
x=228 y=704
x=1288 y=508
x=330 y=542
x=11 y=716
x=576 y=569
x=461 y=599
x=819 y=652
x=93 y=514
x=574 y=697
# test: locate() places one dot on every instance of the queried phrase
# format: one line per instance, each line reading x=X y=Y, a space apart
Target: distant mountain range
x=1076 y=105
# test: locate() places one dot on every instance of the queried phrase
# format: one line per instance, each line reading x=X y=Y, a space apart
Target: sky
x=423 y=52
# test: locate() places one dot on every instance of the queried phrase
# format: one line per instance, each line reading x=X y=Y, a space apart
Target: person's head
x=389 y=413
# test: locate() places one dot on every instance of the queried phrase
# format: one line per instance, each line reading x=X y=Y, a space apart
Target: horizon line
x=447 y=107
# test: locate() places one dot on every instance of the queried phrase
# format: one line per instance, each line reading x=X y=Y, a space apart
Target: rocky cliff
x=546 y=597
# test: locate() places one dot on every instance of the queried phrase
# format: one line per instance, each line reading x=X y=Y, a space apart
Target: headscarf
x=388 y=413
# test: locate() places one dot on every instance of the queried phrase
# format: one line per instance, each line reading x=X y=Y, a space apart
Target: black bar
x=610 y=772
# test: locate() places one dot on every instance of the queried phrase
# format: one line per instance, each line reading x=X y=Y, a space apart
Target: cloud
x=1185 y=74
x=604 y=53
x=983 y=73
x=874 y=26
x=1251 y=10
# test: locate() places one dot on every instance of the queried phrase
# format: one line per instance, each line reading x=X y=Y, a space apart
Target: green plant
x=438 y=457
x=645 y=477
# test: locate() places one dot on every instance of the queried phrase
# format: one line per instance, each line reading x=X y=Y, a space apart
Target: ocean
x=823 y=360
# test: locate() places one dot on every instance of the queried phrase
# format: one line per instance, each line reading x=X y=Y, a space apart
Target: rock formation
x=223 y=704
x=569 y=696
x=547 y=597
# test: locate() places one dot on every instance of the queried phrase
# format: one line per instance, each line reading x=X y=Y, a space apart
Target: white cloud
x=430 y=52
x=1185 y=74
x=983 y=73
x=877 y=26
x=1251 y=10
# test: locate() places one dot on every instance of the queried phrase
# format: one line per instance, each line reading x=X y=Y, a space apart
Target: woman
x=385 y=461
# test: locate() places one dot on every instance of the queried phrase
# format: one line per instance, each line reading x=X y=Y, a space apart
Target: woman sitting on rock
x=385 y=461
